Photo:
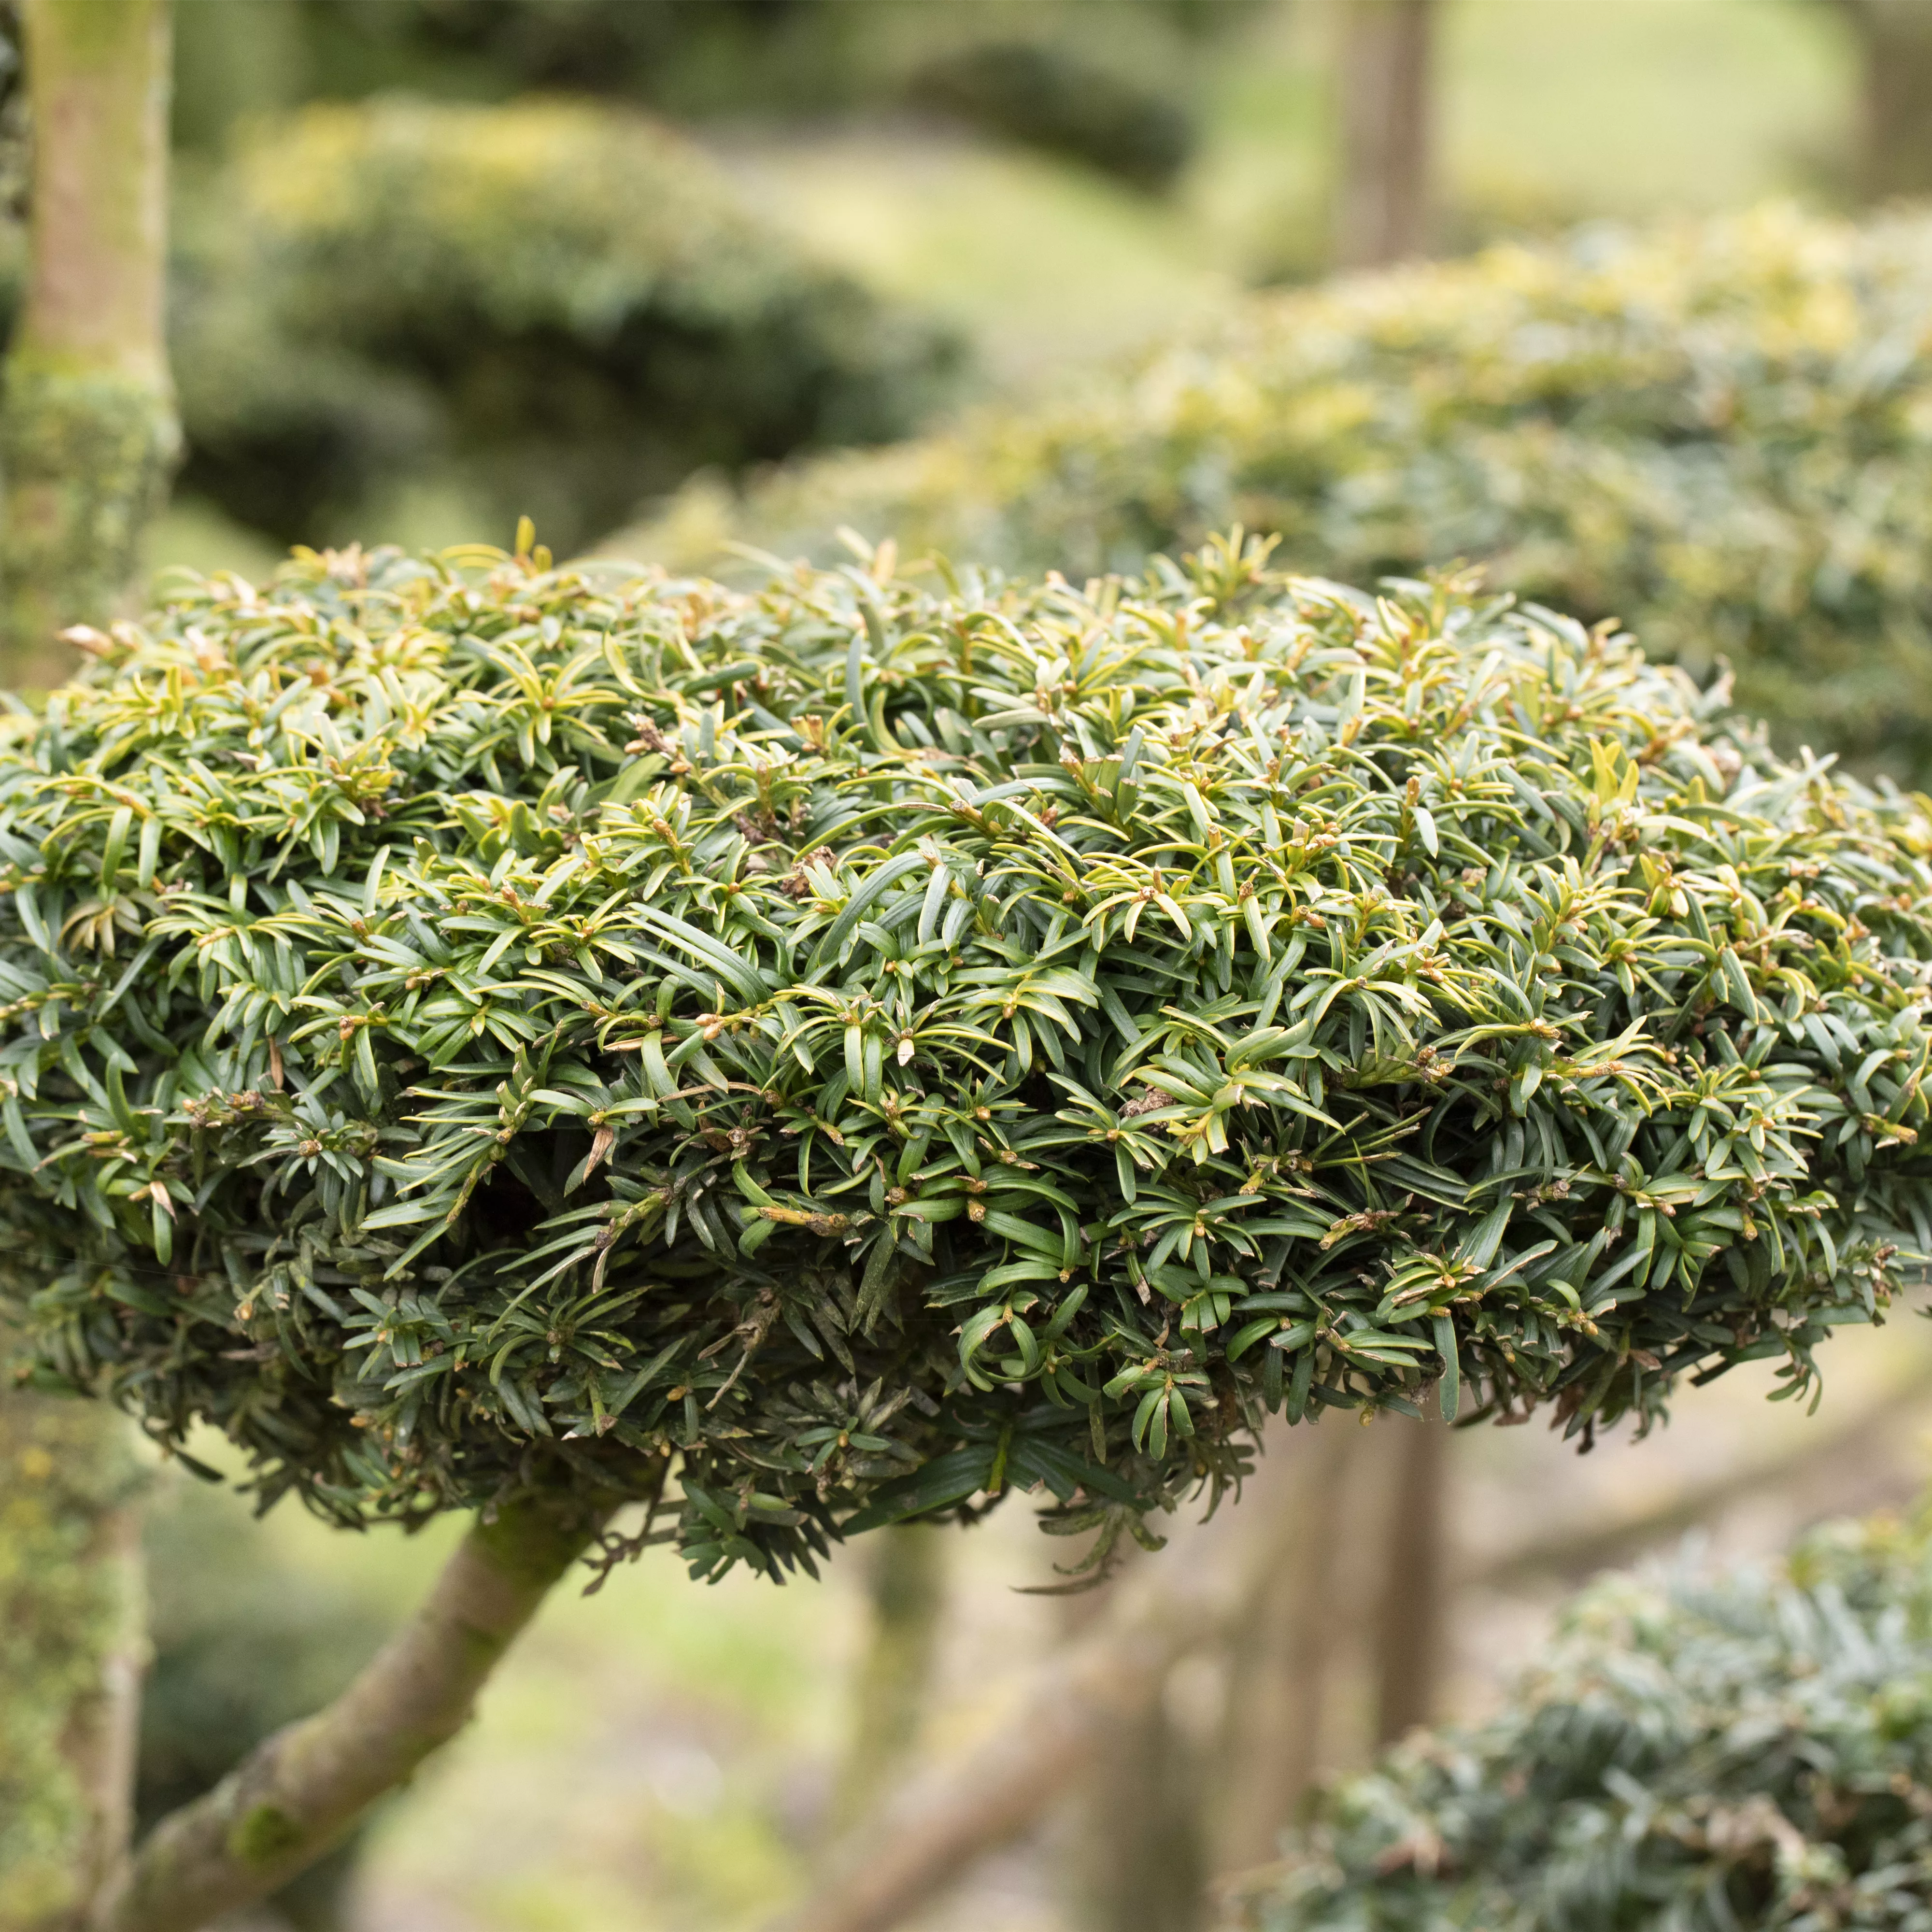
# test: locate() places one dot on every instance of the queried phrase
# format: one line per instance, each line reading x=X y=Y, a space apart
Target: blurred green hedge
x=562 y=307
x=772 y=56
x=1702 y=1756
x=1108 y=81
x=1721 y=433
x=1064 y=102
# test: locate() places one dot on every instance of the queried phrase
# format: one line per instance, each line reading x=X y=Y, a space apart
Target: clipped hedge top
x=1746 y=1750
x=568 y=302
x=469 y=1024
x=1719 y=433
x=548 y=212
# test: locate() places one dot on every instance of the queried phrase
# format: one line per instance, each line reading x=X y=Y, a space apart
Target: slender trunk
x=1382 y=203
x=906 y=1582
x=1410 y=1629
x=87 y=435
x=88 y=432
x=954 y=1812
x=1140 y=1861
x=303 y=1790
x=1284 y=1656
x=71 y=1654
x=1895 y=132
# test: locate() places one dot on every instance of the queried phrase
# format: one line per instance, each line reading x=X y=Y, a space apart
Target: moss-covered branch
x=70 y=1653
x=88 y=434
x=299 y=1792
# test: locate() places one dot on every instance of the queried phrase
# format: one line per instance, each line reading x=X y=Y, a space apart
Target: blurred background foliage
x=1719 y=433
x=1049 y=181
x=438 y=262
x=1748 y=1748
x=555 y=308
x=241 y=1646
x=791 y=60
x=661 y=1758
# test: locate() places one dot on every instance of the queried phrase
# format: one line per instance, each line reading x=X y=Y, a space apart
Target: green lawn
x=1558 y=108
x=1549 y=111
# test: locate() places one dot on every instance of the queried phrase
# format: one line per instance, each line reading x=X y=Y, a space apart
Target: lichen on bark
x=69 y=1604
x=86 y=454
x=304 y=1789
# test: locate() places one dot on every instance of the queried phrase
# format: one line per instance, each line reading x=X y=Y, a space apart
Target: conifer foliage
x=817 y=1056
x=1749 y=1749
x=549 y=305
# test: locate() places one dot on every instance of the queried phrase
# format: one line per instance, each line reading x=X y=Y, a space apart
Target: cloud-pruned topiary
x=1751 y=1749
x=1056 y=97
x=848 y=1050
x=551 y=305
x=1718 y=432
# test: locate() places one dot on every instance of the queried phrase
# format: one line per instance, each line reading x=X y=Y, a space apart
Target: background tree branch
x=300 y=1791
x=965 y=1806
x=905 y=1579
x=1839 y=1467
x=1382 y=191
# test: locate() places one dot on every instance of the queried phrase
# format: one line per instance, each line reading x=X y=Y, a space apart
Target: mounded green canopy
x=1719 y=433
x=817 y=1056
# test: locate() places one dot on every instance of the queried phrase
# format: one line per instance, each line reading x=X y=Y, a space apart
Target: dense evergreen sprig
x=864 y=1047
x=1752 y=1751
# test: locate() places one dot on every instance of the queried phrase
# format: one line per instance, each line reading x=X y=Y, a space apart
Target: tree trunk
x=302 y=1791
x=1343 y=1647
x=1137 y=1860
x=1140 y=1863
x=938 y=1824
x=906 y=1582
x=1382 y=203
x=1410 y=1632
x=71 y=1654
x=1895 y=136
x=1283 y=1658
x=88 y=432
